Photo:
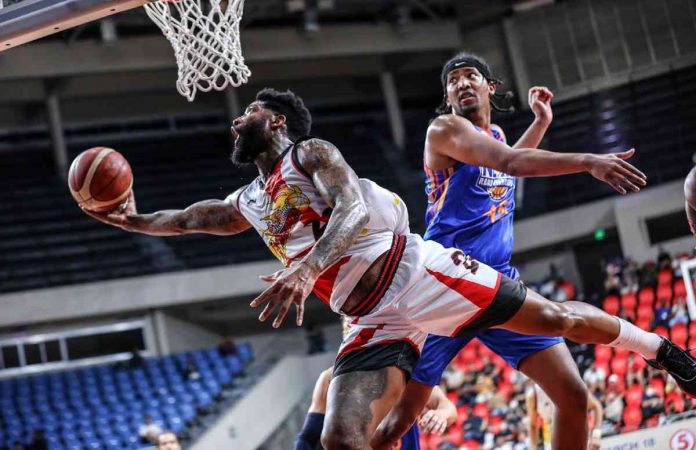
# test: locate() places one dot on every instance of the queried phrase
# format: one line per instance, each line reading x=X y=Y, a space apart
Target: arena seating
x=102 y=407
x=500 y=408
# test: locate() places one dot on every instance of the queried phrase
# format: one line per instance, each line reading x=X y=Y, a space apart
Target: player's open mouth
x=235 y=133
x=466 y=97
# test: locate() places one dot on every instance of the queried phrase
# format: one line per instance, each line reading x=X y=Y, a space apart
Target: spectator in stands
x=648 y=276
x=679 y=314
x=227 y=347
x=149 y=431
x=191 y=372
x=38 y=441
x=629 y=276
x=612 y=284
x=635 y=373
x=651 y=404
x=595 y=380
x=168 y=441
x=662 y=314
x=474 y=428
x=613 y=401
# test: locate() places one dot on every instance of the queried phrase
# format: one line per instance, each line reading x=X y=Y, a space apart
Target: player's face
x=252 y=135
x=468 y=91
x=168 y=441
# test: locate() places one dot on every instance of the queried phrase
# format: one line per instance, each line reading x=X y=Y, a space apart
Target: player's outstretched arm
x=339 y=187
x=219 y=217
x=539 y=98
x=530 y=400
x=456 y=138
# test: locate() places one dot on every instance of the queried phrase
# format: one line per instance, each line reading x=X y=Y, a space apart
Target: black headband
x=465 y=61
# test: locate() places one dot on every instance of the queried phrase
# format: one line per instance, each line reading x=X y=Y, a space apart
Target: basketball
x=100 y=179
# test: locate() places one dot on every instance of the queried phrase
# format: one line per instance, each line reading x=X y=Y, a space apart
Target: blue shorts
x=409 y=441
x=512 y=347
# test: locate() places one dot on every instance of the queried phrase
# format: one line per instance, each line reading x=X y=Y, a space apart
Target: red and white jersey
x=288 y=212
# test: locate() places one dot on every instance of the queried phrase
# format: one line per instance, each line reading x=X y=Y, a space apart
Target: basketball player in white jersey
x=540 y=411
x=347 y=239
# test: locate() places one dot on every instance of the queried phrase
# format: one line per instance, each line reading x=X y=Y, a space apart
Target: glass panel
x=105 y=344
x=10 y=357
x=32 y=354
x=52 y=351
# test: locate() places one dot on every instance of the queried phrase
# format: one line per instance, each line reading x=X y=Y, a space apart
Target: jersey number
x=495 y=213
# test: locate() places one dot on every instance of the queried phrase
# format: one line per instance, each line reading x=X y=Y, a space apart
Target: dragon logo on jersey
x=288 y=204
x=497 y=184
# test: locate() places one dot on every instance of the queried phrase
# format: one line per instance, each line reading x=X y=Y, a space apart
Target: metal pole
x=391 y=101
x=55 y=124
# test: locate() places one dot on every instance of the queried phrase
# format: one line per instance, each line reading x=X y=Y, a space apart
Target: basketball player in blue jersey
x=470 y=184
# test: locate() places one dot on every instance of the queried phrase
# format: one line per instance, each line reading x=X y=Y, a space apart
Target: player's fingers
x=300 y=313
x=270 y=278
x=282 y=312
x=631 y=177
x=264 y=297
x=267 y=311
x=617 y=186
x=443 y=427
x=627 y=154
x=425 y=418
x=634 y=170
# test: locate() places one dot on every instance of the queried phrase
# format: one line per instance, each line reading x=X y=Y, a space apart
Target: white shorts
x=424 y=288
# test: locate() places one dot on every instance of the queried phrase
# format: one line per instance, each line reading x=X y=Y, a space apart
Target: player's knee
x=574 y=397
x=560 y=319
x=337 y=436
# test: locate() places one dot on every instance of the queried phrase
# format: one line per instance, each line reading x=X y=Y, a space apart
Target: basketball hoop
x=205 y=38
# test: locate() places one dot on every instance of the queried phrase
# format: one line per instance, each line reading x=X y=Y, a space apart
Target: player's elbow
x=362 y=214
x=511 y=166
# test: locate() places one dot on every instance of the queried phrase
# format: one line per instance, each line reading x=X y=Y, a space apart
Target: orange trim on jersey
x=441 y=202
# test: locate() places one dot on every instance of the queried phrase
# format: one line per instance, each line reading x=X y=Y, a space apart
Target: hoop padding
x=206 y=42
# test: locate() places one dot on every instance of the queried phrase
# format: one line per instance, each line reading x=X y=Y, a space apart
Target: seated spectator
x=662 y=315
x=595 y=379
x=635 y=373
x=191 y=372
x=679 y=314
x=474 y=428
x=613 y=401
x=149 y=431
x=651 y=404
x=38 y=441
x=227 y=347
x=168 y=441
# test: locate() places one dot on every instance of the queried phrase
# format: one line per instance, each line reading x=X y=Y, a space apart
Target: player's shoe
x=678 y=363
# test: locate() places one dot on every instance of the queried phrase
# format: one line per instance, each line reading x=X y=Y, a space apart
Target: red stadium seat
x=634 y=395
x=455 y=435
x=611 y=304
x=453 y=397
x=632 y=418
x=481 y=410
x=692 y=328
x=662 y=331
x=679 y=290
x=638 y=363
x=619 y=365
x=621 y=353
x=434 y=441
x=628 y=301
x=470 y=445
x=659 y=385
x=692 y=344
x=468 y=355
x=679 y=335
x=675 y=400
x=664 y=292
x=645 y=312
x=646 y=296
x=602 y=353
x=664 y=277
x=644 y=323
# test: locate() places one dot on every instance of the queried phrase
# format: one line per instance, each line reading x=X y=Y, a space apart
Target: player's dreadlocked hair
x=298 y=119
x=499 y=101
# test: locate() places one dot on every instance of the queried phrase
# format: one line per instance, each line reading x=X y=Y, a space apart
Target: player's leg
x=547 y=361
x=357 y=403
x=584 y=323
x=436 y=355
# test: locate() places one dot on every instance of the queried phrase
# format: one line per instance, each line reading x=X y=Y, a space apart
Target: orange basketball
x=100 y=179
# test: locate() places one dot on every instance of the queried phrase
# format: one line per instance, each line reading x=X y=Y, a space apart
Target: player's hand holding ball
x=100 y=180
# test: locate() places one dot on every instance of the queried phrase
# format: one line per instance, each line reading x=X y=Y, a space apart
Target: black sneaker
x=678 y=363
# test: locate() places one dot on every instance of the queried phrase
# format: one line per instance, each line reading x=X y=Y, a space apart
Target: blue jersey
x=471 y=208
x=409 y=441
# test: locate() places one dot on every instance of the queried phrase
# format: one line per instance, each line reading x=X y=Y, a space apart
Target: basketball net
x=205 y=38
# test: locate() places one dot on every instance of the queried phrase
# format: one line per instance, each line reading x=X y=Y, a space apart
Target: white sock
x=636 y=340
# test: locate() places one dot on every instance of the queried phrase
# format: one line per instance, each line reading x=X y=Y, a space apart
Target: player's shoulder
x=233 y=198
x=313 y=153
x=498 y=129
x=446 y=125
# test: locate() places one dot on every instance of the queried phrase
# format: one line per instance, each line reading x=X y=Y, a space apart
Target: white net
x=205 y=38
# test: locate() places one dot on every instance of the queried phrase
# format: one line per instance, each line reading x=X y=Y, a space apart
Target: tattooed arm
x=339 y=187
x=219 y=217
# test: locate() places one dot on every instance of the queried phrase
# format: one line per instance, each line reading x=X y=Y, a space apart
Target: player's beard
x=252 y=141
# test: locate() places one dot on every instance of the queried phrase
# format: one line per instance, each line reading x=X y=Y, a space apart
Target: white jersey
x=288 y=212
